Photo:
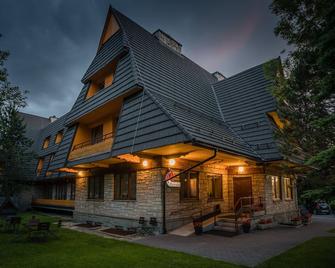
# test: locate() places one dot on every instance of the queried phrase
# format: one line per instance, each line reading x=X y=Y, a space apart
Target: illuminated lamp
x=240 y=169
x=172 y=162
x=145 y=163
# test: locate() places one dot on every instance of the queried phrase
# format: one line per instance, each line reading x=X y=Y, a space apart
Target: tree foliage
x=15 y=155
x=305 y=90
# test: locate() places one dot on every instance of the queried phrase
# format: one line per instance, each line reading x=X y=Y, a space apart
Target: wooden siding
x=142 y=125
x=53 y=203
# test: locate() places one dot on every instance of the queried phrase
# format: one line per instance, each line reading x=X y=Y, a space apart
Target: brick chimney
x=168 y=41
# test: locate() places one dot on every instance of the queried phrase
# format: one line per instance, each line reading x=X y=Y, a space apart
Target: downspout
x=180 y=173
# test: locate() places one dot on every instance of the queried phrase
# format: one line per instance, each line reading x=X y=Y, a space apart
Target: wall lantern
x=240 y=169
x=81 y=173
x=172 y=162
x=145 y=163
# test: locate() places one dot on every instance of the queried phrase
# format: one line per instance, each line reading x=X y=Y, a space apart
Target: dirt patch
x=114 y=231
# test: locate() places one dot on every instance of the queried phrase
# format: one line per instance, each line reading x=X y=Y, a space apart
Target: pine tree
x=306 y=90
x=15 y=153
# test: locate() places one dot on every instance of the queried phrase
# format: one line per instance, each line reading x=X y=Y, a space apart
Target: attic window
x=276 y=119
x=110 y=28
x=39 y=166
x=46 y=142
x=59 y=137
x=101 y=80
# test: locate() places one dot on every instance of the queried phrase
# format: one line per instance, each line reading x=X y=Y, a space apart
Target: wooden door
x=242 y=188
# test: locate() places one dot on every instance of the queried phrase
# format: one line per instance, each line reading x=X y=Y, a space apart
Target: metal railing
x=105 y=137
x=247 y=204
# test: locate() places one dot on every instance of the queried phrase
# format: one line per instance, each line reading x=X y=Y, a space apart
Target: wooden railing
x=53 y=203
x=108 y=136
x=92 y=147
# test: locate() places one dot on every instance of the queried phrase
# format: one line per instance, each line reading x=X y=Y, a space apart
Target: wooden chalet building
x=145 y=109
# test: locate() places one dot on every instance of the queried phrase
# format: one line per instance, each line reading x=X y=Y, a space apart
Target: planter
x=264 y=226
x=197 y=227
x=246 y=227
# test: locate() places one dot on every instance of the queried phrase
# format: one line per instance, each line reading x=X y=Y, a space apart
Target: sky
x=52 y=42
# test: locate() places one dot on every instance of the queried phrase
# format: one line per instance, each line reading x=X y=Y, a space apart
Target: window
x=97 y=134
x=288 y=186
x=47 y=191
x=73 y=190
x=59 y=137
x=39 y=166
x=46 y=142
x=189 y=185
x=125 y=186
x=214 y=186
x=61 y=191
x=276 y=188
x=96 y=187
x=111 y=27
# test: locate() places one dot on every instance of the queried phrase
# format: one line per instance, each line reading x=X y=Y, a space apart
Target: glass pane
x=218 y=188
x=117 y=186
x=193 y=187
x=132 y=194
x=124 y=186
x=210 y=186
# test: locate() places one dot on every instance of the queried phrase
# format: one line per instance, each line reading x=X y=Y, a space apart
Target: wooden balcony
x=53 y=203
x=89 y=148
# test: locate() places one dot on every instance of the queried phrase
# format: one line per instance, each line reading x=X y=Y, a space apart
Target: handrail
x=92 y=142
x=239 y=208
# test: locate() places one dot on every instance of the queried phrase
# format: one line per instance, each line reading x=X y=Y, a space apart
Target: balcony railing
x=91 y=147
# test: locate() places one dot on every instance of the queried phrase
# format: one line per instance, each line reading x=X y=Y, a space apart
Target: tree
x=15 y=155
x=306 y=91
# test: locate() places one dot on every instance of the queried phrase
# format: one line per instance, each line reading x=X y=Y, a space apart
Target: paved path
x=246 y=249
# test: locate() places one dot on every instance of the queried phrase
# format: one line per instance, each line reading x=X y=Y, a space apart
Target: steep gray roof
x=177 y=101
x=245 y=100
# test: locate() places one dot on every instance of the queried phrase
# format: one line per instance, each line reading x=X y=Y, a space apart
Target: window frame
x=188 y=190
x=95 y=189
x=276 y=193
x=61 y=132
x=288 y=184
x=40 y=162
x=46 y=142
x=212 y=178
x=119 y=179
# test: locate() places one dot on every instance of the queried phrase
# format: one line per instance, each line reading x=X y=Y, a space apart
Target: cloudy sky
x=52 y=42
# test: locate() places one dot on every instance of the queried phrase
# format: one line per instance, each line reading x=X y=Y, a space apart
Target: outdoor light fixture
x=81 y=173
x=172 y=162
x=145 y=163
x=240 y=169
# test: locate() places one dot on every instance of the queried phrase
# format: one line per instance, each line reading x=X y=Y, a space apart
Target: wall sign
x=173 y=184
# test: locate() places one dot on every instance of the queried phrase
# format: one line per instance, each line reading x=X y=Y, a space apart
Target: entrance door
x=242 y=188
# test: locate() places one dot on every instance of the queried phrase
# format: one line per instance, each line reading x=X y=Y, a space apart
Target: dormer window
x=46 y=142
x=276 y=119
x=59 y=137
x=101 y=80
x=39 y=166
x=110 y=28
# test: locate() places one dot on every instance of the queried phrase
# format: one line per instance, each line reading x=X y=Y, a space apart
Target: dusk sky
x=53 y=42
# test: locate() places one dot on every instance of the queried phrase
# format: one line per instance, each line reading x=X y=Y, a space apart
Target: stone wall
x=282 y=210
x=121 y=212
x=179 y=212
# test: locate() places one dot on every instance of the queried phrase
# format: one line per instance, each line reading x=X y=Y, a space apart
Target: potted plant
x=197 y=224
x=246 y=225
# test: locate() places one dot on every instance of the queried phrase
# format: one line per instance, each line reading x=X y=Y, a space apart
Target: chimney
x=168 y=41
x=219 y=76
x=52 y=118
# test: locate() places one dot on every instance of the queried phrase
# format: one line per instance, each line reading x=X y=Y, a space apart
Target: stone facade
x=148 y=201
x=121 y=212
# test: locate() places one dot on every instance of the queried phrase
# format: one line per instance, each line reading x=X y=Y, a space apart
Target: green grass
x=317 y=252
x=332 y=231
x=75 y=249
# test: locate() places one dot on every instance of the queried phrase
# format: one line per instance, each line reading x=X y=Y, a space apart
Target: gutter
x=180 y=173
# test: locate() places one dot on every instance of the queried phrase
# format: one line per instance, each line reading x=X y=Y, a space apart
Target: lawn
x=75 y=249
x=332 y=231
x=317 y=252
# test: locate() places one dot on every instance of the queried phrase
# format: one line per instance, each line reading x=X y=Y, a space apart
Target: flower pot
x=197 y=227
x=246 y=228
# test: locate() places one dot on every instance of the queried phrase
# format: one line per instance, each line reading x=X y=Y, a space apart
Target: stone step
x=225 y=228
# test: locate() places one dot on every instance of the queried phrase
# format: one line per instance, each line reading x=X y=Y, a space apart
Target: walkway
x=246 y=249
